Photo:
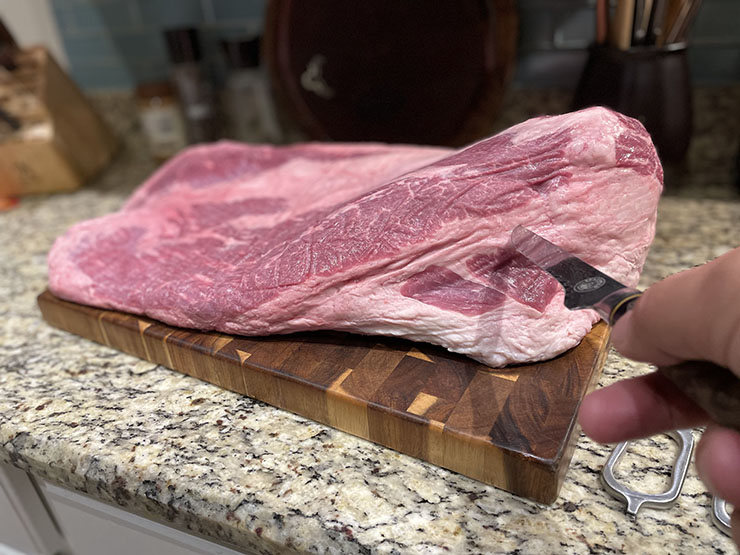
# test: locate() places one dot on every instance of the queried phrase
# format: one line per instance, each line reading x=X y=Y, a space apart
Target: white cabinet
x=38 y=518
x=12 y=532
x=26 y=525
x=92 y=528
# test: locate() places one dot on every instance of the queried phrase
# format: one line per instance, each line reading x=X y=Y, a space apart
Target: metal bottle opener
x=635 y=499
x=720 y=516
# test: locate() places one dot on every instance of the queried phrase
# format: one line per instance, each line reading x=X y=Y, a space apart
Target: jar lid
x=242 y=53
x=155 y=89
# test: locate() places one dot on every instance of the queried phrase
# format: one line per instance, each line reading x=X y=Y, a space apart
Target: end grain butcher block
x=513 y=428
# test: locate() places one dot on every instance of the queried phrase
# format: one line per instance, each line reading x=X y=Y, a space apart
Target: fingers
x=628 y=338
x=636 y=408
x=717 y=457
x=649 y=405
x=690 y=315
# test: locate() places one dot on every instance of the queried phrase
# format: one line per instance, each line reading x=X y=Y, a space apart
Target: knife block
x=51 y=139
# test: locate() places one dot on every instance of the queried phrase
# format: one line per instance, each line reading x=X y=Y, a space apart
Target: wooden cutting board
x=514 y=428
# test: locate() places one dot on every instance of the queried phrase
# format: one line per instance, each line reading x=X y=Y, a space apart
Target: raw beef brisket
x=376 y=239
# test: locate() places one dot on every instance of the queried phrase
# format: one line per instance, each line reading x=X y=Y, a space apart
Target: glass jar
x=161 y=119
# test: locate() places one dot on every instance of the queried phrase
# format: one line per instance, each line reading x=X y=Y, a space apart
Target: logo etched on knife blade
x=589 y=284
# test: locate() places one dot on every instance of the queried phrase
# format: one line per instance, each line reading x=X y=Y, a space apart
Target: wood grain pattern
x=513 y=428
x=71 y=142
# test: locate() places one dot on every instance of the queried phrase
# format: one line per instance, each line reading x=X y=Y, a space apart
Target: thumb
x=694 y=314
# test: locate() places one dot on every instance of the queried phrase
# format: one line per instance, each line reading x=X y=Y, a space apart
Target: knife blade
x=714 y=388
x=585 y=286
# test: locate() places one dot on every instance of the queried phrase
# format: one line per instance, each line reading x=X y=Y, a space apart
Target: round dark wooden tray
x=384 y=70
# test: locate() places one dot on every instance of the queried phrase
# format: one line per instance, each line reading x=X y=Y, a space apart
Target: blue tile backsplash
x=234 y=10
x=114 y=44
x=118 y=43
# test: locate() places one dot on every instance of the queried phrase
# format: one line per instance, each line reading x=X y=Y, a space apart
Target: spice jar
x=161 y=119
x=248 y=107
x=193 y=87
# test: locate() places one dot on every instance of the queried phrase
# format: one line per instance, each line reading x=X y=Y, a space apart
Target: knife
x=712 y=387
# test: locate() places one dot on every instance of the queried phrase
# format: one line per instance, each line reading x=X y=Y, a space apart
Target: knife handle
x=714 y=388
x=615 y=305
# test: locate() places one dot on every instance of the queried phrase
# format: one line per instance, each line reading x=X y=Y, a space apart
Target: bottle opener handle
x=635 y=499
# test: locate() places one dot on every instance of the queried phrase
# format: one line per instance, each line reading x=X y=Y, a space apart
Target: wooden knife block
x=61 y=142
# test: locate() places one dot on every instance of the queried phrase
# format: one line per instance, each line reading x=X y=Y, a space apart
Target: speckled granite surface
x=175 y=449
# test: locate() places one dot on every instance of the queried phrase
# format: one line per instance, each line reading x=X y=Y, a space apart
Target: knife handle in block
x=714 y=388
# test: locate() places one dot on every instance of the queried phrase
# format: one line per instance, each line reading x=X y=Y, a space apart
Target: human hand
x=693 y=315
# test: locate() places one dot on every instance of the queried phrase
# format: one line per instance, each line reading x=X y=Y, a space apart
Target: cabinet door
x=91 y=528
x=12 y=532
x=25 y=522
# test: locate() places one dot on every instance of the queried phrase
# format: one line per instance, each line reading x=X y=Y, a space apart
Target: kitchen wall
x=117 y=43
x=554 y=34
x=32 y=22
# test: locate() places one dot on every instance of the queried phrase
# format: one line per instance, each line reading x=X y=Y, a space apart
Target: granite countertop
x=235 y=470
